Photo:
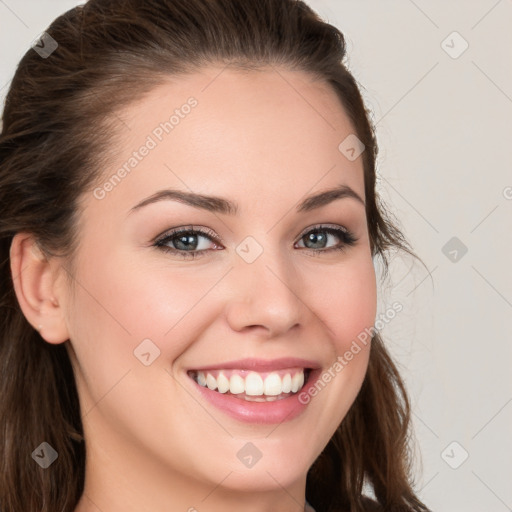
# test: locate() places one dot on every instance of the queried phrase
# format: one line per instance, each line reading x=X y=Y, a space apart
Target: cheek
x=346 y=300
x=122 y=300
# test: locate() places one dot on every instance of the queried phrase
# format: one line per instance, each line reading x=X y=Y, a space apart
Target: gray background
x=444 y=127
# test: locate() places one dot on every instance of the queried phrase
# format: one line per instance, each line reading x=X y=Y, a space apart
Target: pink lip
x=275 y=412
x=261 y=365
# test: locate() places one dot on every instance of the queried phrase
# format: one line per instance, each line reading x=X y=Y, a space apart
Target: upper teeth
x=252 y=383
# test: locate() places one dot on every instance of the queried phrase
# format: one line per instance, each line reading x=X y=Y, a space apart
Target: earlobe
x=36 y=286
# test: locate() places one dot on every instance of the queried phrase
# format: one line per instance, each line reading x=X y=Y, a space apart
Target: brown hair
x=58 y=122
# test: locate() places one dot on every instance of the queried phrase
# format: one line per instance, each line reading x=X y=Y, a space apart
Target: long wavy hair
x=58 y=123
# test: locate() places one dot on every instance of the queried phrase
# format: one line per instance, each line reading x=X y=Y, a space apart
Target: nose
x=265 y=296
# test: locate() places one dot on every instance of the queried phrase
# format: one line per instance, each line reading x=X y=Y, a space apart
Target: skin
x=264 y=139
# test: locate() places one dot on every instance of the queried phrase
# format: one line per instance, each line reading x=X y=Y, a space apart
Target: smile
x=251 y=385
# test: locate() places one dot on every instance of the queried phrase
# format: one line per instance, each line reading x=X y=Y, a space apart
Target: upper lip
x=261 y=365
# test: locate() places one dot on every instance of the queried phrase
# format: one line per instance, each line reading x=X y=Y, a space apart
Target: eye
x=186 y=241
x=318 y=238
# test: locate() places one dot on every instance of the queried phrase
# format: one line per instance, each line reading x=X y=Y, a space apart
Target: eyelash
x=347 y=237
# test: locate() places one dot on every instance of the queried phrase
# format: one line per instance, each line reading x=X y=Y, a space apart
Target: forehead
x=270 y=132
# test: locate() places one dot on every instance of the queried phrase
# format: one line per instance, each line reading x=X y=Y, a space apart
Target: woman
x=189 y=227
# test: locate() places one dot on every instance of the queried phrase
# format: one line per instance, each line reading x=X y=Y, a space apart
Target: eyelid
x=209 y=233
x=319 y=227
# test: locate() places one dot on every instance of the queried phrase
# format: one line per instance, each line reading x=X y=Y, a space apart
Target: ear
x=37 y=288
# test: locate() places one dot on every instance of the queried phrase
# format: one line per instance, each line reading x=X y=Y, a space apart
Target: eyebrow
x=224 y=206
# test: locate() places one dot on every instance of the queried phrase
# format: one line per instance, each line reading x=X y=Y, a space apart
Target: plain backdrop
x=437 y=77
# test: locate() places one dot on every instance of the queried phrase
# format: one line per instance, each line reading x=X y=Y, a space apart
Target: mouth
x=251 y=385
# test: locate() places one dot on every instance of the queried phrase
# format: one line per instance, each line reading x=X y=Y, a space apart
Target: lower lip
x=277 y=411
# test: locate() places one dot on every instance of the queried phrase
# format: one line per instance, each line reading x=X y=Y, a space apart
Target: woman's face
x=266 y=300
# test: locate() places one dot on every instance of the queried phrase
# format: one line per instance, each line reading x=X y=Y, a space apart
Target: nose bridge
x=265 y=289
